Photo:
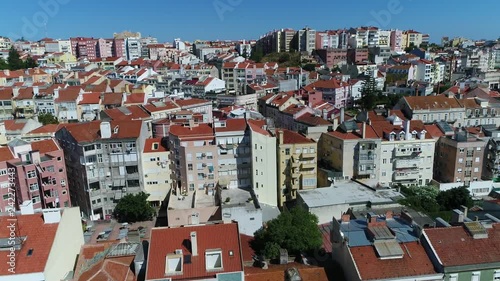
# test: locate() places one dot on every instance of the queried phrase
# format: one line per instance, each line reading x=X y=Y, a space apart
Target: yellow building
x=60 y=58
x=297 y=164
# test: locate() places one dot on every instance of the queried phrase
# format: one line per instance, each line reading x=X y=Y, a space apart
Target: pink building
x=118 y=48
x=357 y=55
x=396 y=40
x=37 y=173
x=333 y=57
x=83 y=47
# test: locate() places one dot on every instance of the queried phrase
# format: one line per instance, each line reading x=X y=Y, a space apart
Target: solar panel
x=388 y=249
x=381 y=232
x=476 y=229
x=445 y=127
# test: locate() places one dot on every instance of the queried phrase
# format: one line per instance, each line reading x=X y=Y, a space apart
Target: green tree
x=454 y=198
x=257 y=54
x=14 y=60
x=133 y=208
x=309 y=67
x=3 y=64
x=30 y=63
x=421 y=198
x=369 y=95
x=296 y=231
x=47 y=118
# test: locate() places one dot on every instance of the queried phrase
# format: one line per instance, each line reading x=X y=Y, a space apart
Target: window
x=477 y=159
x=460 y=160
x=3 y=172
x=31 y=174
x=384 y=161
x=496 y=275
x=478 y=148
x=99 y=158
x=190 y=167
x=287 y=151
x=6 y=196
x=213 y=260
x=309 y=182
x=384 y=173
x=476 y=276
x=191 y=187
x=33 y=186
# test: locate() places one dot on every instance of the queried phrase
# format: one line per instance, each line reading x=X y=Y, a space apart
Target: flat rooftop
x=348 y=192
x=191 y=200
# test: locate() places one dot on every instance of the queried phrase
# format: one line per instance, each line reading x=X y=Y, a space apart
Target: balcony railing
x=408 y=175
x=407 y=163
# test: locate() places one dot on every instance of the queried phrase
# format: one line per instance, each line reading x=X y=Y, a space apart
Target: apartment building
x=238 y=75
x=194 y=156
x=156 y=174
x=233 y=153
x=297 y=164
x=103 y=161
x=459 y=158
x=430 y=109
x=406 y=152
x=39 y=172
x=305 y=40
x=333 y=57
x=353 y=150
x=133 y=47
x=327 y=39
x=206 y=258
x=46 y=243
x=264 y=172
x=396 y=40
x=491 y=167
x=82 y=47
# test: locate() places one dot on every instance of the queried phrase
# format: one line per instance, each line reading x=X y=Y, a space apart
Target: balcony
x=308 y=165
x=408 y=151
x=366 y=159
x=407 y=163
x=308 y=155
x=406 y=176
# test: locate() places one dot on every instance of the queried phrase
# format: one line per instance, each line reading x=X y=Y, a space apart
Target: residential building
x=84 y=47
x=430 y=109
x=305 y=40
x=353 y=150
x=103 y=161
x=264 y=173
x=133 y=47
x=175 y=252
x=41 y=133
x=156 y=174
x=384 y=247
x=233 y=153
x=66 y=101
x=453 y=250
x=39 y=172
x=406 y=152
x=23 y=104
x=491 y=168
x=333 y=57
x=412 y=38
x=297 y=164
x=238 y=75
x=425 y=71
x=357 y=55
x=46 y=244
x=6 y=110
x=327 y=40
x=459 y=157
x=17 y=128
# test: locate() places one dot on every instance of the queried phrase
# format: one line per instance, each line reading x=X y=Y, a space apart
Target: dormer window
x=155 y=146
x=392 y=135
x=173 y=264
x=213 y=260
x=402 y=136
x=414 y=134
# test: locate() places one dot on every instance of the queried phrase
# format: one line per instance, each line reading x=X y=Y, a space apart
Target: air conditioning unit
x=178 y=251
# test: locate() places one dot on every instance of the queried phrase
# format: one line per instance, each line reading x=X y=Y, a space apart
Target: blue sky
x=242 y=19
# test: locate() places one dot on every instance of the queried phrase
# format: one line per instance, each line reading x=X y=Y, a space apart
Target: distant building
x=156 y=174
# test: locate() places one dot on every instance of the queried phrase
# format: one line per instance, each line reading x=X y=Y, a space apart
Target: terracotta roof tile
x=25 y=94
x=432 y=102
x=68 y=94
x=45 y=146
x=291 y=137
x=112 y=99
x=15 y=124
x=185 y=132
x=232 y=125
x=166 y=240
x=6 y=94
x=276 y=272
x=456 y=247
x=132 y=112
x=191 y=102
x=257 y=126
x=154 y=145
x=6 y=154
x=91 y=98
x=91 y=131
x=370 y=133
x=371 y=267
x=137 y=98
x=313 y=120
x=40 y=237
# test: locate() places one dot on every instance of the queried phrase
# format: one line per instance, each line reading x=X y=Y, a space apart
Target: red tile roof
x=186 y=132
x=165 y=241
x=312 y=120
x=232 y=125
x=68 y=94
x=456 y=247
x=135 y=112
x=154 y=107
x=91 y=98
x=370 y=133
x=6 y=94
x=434 y=131
x=91 y=131
x=137 y=98
x=291 y=137
x=39 y=237
x=246 y=249
x=45 y=146
x=112 y=99
x=276 y=272
x=371 y=267
x=191 y=102
x=15 y=125
x=5 y=154
x=47 y=129
x=432 y=102
x=257 y=126
x=25 y=94
x=150 y=144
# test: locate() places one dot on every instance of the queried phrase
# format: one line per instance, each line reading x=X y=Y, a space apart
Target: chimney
x=194 y=244
x=15 y=91
x=35 y=90
x=124 y=98
x=325 y=114
x=76 y=75
x=27 y=208
x=35 y=157
x=464 y=210
x=280 y=136
x=363 y=133
x=341 y=115
x=388 y=215
x=346 y=218
x=105 y=130
x=51 y=216
x=406 y=126
x=6 y=72
x=56 y=93
x=127 y=88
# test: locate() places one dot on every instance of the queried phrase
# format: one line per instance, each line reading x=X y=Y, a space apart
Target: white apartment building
x=155 y=170
x=133 y=48
x=264 y=174
x=406 y=153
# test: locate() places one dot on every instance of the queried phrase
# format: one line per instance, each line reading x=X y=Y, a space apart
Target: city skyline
x=230 y=19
